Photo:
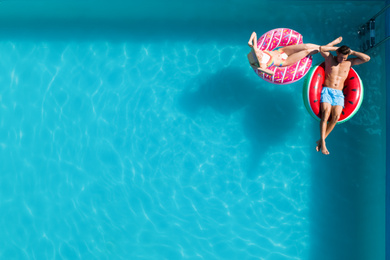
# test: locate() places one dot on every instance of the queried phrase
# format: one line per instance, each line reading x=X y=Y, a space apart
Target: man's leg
x=325 y=127
x=326 y=110
x=335 y=116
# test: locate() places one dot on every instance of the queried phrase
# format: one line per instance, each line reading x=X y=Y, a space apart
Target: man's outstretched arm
x=360 y=57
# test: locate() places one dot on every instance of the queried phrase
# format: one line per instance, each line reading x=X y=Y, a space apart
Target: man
x=332 y=97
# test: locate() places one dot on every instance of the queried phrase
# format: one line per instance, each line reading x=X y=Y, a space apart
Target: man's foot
x=321 y=147
x=318 y=147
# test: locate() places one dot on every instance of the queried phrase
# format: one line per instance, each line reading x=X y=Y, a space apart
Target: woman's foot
x=335 y=42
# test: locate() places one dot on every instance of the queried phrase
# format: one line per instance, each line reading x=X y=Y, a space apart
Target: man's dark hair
x=344 y=50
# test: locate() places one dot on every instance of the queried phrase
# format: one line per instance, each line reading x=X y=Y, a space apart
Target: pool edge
x=387 y=236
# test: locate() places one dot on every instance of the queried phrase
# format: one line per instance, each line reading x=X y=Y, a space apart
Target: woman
x=282 y=57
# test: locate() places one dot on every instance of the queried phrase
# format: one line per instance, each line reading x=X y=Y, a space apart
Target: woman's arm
x=253 y=40
x=265 y=70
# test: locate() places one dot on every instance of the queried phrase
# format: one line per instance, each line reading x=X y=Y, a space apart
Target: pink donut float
x=279 y=38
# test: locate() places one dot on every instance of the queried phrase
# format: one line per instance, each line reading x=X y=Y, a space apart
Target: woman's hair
x=344 y=50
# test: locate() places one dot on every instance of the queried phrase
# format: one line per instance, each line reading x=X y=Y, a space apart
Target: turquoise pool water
x=133 y=139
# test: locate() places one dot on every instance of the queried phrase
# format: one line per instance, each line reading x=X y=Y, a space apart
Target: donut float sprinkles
x=279 y=38
x=312 y=87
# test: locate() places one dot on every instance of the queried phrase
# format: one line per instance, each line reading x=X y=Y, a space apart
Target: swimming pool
x=132 y=133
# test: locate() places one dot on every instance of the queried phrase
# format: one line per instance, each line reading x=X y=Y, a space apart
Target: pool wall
x=387 y=134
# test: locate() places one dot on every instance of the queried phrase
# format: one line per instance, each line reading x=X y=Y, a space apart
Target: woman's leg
x=291 y=49
x=298 y=52
x=335 y=42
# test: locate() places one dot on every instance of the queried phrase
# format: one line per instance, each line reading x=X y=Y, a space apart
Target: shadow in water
x=334 y=206
x=347 y=213
x=348 y=191
x=268 y=113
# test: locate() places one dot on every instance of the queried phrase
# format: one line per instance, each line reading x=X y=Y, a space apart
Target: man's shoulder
x=347 y=63
x=329 y=61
